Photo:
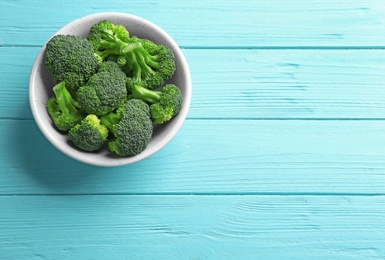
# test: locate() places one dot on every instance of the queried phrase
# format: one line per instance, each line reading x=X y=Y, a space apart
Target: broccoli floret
x=151 y=65
x=165 y=104
x=64 y=111
x=120 y=60
x=102 y=47
x=145 y=62
x=104 y=91
x=132 y=127
x=112 y=67
x=71 y=59
x=89 y=135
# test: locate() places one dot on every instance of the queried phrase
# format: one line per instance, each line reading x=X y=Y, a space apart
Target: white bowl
x=40 y=90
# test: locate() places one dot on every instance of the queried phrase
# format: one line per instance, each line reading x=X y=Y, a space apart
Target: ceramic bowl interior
x=40 y=90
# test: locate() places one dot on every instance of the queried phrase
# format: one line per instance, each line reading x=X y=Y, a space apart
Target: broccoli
x=71 y=59
x=132 y=127
x=89 y=135
x=104 y=91
x=145 y=62
x=103 y=48
x=165 y=104
x=64 y=111
x=104 y=88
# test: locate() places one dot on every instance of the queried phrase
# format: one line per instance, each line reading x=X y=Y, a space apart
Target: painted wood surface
x=215 y=23
x=282 y=155
x=223 y=157
x=193 y=227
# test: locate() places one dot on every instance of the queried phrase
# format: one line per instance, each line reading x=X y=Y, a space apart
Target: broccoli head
x=71 y=59
x=104 y=91
x=64 y=111
x=103 y=47
x=132 y=127
x=89 y=135
x=149 y=64
x=164 y=105
x=145 y=62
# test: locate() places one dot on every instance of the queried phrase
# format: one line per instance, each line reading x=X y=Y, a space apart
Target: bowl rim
x=90 y=158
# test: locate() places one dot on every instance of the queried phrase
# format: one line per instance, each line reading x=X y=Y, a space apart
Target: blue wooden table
x=282 y=155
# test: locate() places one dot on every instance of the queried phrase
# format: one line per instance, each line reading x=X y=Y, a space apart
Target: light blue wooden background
x=282 y=155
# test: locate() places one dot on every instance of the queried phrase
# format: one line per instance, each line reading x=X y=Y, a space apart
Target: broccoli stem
x=142 y=62
x=111 y=119
x=64 y=99
x=151 y=60
x=131 y=46
x=113 y=45
x=110 y=45
x=137 y=58
x=121 y=60
x=145 y=94
x=131 y=63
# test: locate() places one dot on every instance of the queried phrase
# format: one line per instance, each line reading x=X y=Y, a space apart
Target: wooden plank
x=15 y=69
x=215 y=23
x=210 y=157
x=272 y=84
x=192 y=227
x=249 y=84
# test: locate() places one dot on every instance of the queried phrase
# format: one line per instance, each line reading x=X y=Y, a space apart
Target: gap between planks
x=202 y=194
x=241 y=47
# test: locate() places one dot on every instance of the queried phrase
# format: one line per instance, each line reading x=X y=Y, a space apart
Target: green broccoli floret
x=104 y=91
x=152 y=65
x=71 y=59
x=132 y=127
x=64 y=111
x=89 y=135
x=145 y=62
x=102 y=47
x=165 y=104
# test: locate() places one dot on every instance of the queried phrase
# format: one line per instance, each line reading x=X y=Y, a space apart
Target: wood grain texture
x=249 y=84
x=282 y=155
x=15 y=69
x=271 y=84
x=192 y=227
x=211 y=157
x=216 y=23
